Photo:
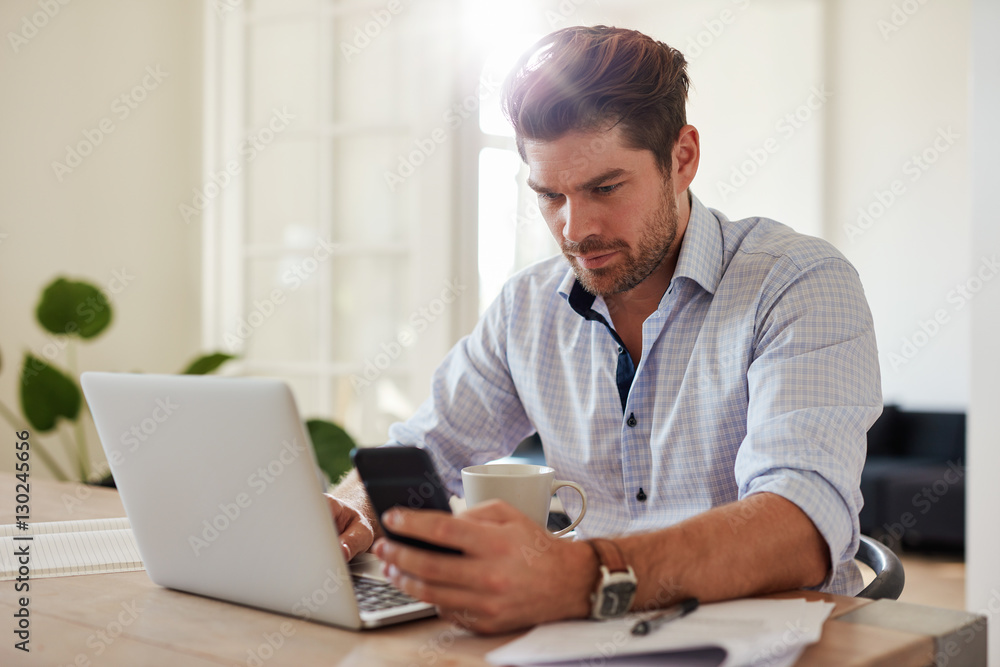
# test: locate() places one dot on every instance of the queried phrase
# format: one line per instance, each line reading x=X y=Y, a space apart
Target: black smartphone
x=402 y=477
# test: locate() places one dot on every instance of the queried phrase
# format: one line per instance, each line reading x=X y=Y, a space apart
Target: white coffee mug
x=529 y=488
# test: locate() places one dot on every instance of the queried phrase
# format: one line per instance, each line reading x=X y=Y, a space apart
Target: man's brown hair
x=587 y=78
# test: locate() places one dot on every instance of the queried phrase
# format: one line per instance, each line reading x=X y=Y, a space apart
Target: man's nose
x=579 y=222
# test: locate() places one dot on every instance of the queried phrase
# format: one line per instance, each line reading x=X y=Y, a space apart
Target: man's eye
x=607 y=189
x=548 y=196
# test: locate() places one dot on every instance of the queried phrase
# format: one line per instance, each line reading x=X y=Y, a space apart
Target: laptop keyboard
x=375 y=595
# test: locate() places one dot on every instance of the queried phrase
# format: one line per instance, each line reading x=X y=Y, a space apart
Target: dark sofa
x=914 y=480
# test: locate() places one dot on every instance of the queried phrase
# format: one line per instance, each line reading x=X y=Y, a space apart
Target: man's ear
x=686 y=154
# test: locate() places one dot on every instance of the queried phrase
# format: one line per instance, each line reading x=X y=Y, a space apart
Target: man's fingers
x=442 y=596
x=356 y=539
x=355 y=533
x=436 y=527
x=431 y=566
x=466 y=608
x=484 y=532
x=340 y=512
x=493 y=510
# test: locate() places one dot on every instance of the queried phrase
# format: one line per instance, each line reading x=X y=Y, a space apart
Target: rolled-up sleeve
x=474 y=413
x=814 y=390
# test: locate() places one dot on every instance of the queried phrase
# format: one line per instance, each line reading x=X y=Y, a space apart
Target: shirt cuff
x=824 y=506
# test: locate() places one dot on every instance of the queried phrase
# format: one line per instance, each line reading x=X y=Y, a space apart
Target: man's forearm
x=761 y=544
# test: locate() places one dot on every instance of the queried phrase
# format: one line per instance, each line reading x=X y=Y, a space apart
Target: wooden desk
x=124 y=619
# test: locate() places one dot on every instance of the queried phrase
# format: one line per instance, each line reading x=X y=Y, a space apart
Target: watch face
x=616 y=598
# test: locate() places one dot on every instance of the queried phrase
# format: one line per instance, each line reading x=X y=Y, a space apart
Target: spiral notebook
x=67 y=548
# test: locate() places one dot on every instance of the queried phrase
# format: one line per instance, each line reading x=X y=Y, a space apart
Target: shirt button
x=620 y=349
x=631 y=420
x=641 y=496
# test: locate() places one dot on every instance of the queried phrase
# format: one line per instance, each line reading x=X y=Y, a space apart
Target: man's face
x=608 y=206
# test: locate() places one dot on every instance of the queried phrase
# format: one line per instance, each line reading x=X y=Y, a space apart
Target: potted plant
x=51 y=401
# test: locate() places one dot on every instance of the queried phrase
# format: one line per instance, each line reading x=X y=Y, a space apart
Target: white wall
x=116 y=211
x=896 y=93
x=897 y=83
x=759 y=99
x=983 y=495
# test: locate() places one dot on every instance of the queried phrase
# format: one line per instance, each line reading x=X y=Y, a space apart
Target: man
x=710 y=383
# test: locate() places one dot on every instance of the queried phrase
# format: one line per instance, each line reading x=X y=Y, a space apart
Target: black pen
x=682 y=608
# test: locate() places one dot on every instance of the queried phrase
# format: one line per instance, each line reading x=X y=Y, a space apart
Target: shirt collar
x=701 y=258
x=583 y=302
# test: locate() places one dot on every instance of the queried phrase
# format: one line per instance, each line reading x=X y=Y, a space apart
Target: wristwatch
x=616 y=588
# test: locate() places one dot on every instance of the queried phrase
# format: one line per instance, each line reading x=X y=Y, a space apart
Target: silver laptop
x=220 y=483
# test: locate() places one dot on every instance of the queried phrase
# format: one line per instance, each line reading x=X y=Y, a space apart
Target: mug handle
x=558 y=484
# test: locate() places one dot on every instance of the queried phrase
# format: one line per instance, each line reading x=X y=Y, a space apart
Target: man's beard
x=637 y=264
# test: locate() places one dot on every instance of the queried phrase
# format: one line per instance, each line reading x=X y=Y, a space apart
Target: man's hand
x=356 y=530
x=512 y=573
x=354 y=515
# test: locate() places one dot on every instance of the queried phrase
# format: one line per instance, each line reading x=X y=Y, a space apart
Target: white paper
x=81 y=526
x=751 y=632
x=63 y=548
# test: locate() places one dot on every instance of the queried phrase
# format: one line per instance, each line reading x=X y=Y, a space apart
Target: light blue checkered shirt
x=759 y=372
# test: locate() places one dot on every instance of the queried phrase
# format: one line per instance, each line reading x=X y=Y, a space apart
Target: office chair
x=889 y=577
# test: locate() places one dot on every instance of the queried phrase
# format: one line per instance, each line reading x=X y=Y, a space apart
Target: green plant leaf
x=333 y=447
x=73 y=308
x=207 y=363
x=47 y=394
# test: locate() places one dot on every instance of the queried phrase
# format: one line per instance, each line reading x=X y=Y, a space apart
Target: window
x=328 y=190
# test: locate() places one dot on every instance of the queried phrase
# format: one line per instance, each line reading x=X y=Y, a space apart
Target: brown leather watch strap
x=610 y=554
